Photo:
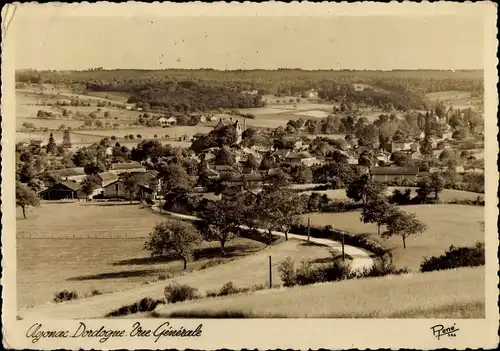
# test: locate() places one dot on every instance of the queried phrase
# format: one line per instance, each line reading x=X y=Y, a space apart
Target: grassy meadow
x=442 y=294
x=446 y=195
x=457 y=225
x=107 y=252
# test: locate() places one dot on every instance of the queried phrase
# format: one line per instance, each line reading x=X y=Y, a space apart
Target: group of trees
x=377 y=209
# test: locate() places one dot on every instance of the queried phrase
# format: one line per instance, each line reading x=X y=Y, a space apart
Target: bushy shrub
x=455 y=257
x=286 y=268
x=212 y=263
x=65 y=295
x=307 y=274
x=361 y=241
x=177 y=293
x=335 y=271
x=379 y=269
x=95 y=292
x=146 y=304
x=227 y=289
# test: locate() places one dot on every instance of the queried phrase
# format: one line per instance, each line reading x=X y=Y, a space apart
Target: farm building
x=147 y=187
x=107 y=178
x=118 y=168
x=66 y=189
x=304 y=158
x=164 y=121
x=383 y=174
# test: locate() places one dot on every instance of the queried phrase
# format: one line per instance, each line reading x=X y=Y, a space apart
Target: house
x=383 y=156
x=250 y=92
x=236 y=125
x=416 y=155
x=106 y=178
x=76 y=173
x=282 y=153
x=312 y=94
x=436 y=153
x=147 y=187
x=67 y=189
x=383 y=174
x=118 y=168
x=352 y=161
x=304 y=158
x=164 y=121
x=400 y=146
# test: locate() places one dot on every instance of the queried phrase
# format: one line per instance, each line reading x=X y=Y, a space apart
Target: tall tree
x=174 y=237
x=66 y=143
x=25 y=197
x=436 y=184
x=403 y=224
x=130 y=184
x=51 y=145
x=221 y=220
x=377 y=211
x=364 y=189
x=279 y=209
x=89 y=184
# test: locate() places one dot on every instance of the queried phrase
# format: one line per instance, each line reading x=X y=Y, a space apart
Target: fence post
x=270 y=274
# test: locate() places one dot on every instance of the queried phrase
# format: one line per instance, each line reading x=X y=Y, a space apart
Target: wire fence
x=80 y=237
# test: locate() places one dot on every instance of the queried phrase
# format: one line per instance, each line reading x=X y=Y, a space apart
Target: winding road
x=97 y=306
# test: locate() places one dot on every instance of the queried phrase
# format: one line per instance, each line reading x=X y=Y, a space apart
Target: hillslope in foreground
x=458 y=293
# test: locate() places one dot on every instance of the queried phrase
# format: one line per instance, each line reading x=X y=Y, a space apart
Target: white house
x=164 y=121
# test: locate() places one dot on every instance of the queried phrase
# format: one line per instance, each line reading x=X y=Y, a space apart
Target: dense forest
x=187 y=90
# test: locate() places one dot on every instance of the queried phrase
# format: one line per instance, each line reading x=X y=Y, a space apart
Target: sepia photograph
x=174 y=169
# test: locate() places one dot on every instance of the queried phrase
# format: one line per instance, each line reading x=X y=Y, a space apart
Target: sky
x=149 y=42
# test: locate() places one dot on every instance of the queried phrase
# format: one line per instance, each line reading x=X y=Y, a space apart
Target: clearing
x=443 y=294
x=107 y=252
x=457 y=225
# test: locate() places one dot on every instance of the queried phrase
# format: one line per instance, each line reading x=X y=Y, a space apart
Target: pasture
x=446 y=195
x=243 y=272
x=107 y=252
x=443 y=294
x=457 y=225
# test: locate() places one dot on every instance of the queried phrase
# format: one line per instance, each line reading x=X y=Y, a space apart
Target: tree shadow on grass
x=118 y=275
x=201 y=254
x=305 y=243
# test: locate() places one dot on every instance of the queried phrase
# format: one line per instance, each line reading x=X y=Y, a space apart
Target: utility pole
x=343 y=252
x=308 y=229
x=270 y=274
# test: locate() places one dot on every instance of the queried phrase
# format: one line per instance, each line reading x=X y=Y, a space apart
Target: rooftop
x=395 y=170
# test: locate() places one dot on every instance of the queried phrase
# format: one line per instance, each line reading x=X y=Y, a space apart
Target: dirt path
x=360 y=258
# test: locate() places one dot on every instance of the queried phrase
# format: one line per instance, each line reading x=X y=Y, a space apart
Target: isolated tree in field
x=89 y=184
x=403 y=224
x=106 y=114
x=221 y=220
x=25 y=197
x=175 y=238
x=51 y=145
x=130 y=184
x=279 y=209
x=377 y=211
x=424 y=189
x=66 y=143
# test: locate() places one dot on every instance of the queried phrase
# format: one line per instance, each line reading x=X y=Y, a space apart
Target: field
x=100 y=257
x=117 y=96
x=456 y=225
x=446 y=195
x=457 y=99
x=443 y=294
x=45 y=266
